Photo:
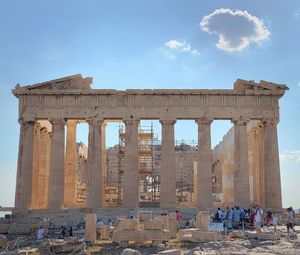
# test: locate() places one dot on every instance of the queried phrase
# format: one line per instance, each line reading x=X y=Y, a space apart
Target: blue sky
x=152 y=44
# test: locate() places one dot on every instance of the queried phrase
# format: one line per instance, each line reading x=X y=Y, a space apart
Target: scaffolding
x=147 y=165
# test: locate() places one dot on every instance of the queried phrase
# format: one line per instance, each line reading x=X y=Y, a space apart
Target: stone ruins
x=55 y=172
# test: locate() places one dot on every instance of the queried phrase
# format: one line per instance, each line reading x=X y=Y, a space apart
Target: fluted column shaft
x=272 y=171
x=70 y=164
x=131 y=167
x=167 y=169
x=94 y=165
x=57 y=164
x=24 y=172
x=204 y=181
x=241 y=164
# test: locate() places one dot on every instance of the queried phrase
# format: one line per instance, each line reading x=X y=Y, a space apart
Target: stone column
x=271 y=159
x=261 y=170
x=204 y=181
x=103 y=160
x=70 y=164
x=131 y=166
x=253 y=145
x=24 y=171
x=57 y=164
x=94 y=165
x=167 y=169
x=241 y=164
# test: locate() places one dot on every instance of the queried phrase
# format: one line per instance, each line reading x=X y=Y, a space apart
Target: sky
x=152 y=44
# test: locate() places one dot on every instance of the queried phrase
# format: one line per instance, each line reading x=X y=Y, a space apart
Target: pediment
x=65 y=83
x=262 y=85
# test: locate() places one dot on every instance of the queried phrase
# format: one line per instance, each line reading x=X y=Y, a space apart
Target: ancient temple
x=46 y=173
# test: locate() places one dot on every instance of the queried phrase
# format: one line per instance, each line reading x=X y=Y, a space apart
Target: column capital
x=24 y=121
x=167 y=122
x=240 y=121
x=131 y=121
x=204 y=121
x=270 y=122
x=93 y=121
x=59 y=121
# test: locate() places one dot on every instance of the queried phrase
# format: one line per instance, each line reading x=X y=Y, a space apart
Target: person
x=258 y=219
x=40 y=233
x=236 y=217
x=269 y=217
x=70 y=231
x=110 y=224
x=178 y=218
x=274 y=222
x=218 y=215
x=99 y=224
x=228 y=221
x=290 y=220
x=62 y=232
x=242 y=217
x=178 y=215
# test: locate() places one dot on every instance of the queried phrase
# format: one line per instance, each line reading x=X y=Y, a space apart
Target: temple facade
x=50 y=111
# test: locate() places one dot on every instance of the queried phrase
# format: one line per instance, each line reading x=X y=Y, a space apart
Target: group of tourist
x=236 y=217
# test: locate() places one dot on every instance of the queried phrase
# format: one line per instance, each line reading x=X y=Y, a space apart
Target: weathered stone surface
x=202 y=220
x=105 y=232
x=140 y=235
x=143 y=216
x=268 y=237
x=90 y=227
x=171 y=252
x=251 y=235
x=130 y=252
x=197 y=235
x=126 y=224
x=236 y=234
x=4 y=228
x=155 y=224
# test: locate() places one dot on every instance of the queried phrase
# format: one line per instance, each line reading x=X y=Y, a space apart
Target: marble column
x=94 y=165
x=24 y=171
x=131 y=166
x=103 y=158
x=57 y=164
x=253 y=145
x=70 y=164
x=241 y=164
x=167 y=169
x=261 y=171
x=272 y=171
x=204 y=181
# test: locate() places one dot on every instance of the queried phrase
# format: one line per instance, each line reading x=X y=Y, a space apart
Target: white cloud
x=290 y=155
x=174 y=45
x=236 y=29
x=299 y=84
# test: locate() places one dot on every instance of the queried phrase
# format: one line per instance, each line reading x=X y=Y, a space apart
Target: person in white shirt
x=258 y=219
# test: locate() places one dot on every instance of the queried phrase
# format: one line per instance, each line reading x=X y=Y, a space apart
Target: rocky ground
x=287 y=245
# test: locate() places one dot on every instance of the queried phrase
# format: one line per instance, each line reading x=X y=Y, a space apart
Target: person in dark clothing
x=70 y=231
